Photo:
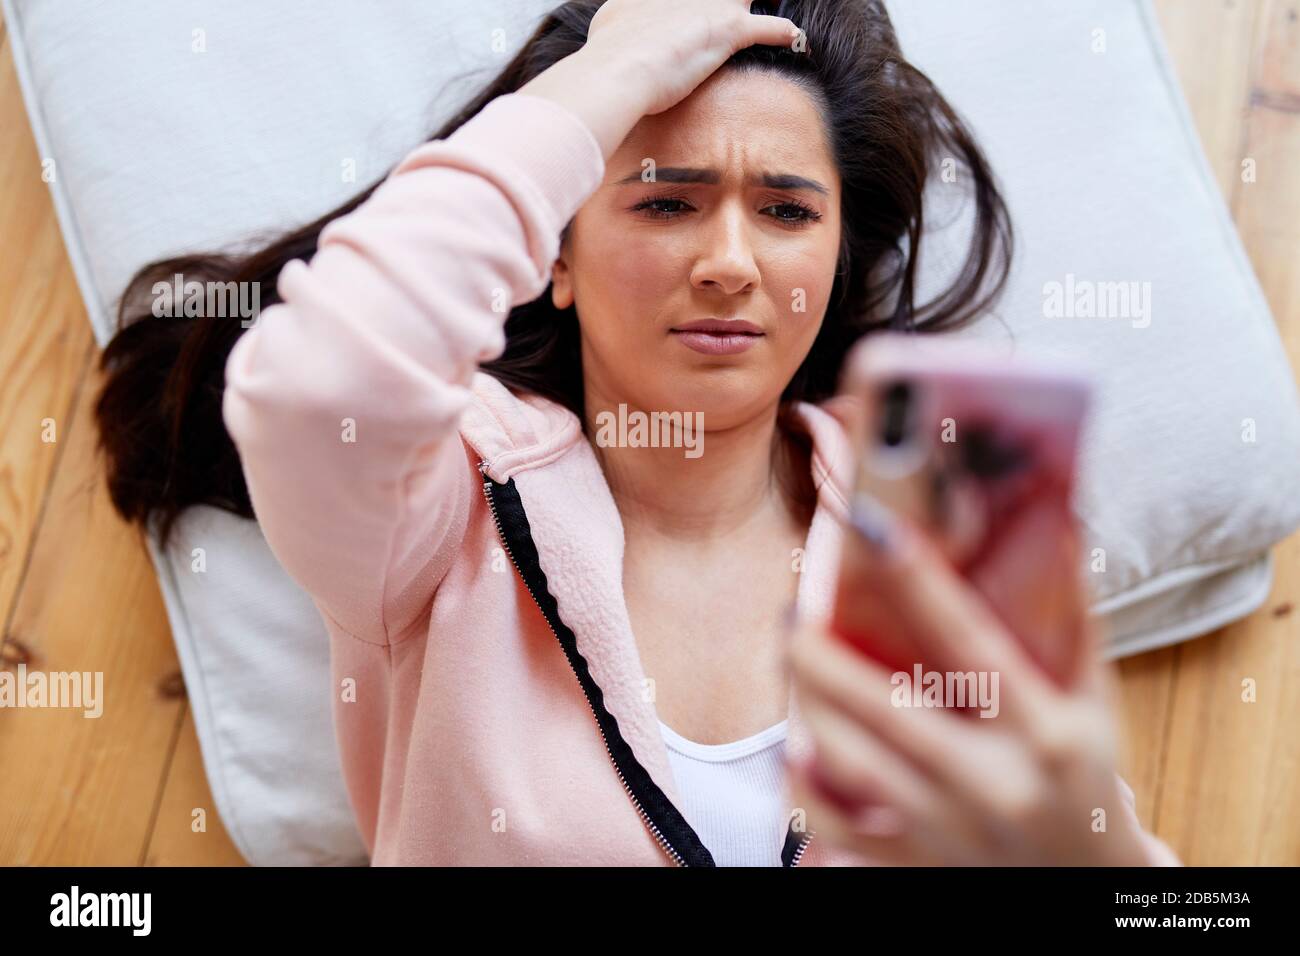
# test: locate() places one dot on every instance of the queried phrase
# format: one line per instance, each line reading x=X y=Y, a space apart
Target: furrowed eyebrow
x=790 y=181
x=688 y=174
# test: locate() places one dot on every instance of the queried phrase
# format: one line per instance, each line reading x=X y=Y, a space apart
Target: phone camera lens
x=896 y=406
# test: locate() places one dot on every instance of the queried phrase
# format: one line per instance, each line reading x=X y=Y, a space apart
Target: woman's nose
x=726 y=261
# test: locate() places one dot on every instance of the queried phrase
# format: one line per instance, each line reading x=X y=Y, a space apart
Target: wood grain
x=88 y=788
x=187 y=830
x=45 y=339
x=1231 y=780
x=1213 y=46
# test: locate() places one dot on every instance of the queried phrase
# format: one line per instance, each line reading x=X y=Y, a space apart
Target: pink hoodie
x=460 y=541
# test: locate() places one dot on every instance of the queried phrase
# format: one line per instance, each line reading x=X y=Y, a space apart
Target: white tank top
x=733 y=794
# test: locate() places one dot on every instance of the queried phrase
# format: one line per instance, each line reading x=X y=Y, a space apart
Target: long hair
x=159 y=409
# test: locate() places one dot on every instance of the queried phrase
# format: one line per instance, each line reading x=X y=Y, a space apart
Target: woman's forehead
x=736 y=121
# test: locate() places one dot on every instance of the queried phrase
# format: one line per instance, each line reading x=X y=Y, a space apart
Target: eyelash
x=806 y=213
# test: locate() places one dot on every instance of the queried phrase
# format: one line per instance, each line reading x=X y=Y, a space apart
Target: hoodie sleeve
x=343 y=399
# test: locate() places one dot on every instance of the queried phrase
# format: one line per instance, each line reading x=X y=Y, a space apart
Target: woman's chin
x=722 y=401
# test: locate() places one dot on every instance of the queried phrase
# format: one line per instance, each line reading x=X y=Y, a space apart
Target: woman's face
x=741 y=221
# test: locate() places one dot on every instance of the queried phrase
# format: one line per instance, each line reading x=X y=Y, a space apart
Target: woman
x=680 y=208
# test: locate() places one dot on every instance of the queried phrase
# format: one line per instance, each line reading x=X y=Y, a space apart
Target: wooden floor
x=1217 y=778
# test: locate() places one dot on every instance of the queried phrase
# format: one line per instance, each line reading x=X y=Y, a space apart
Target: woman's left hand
x=1033 y=785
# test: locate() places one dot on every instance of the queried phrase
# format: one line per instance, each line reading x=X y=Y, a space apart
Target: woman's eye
x=792 y=212
x=662 y=208
x=669 y=207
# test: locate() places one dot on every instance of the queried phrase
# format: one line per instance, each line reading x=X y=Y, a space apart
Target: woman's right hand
x=646 y=56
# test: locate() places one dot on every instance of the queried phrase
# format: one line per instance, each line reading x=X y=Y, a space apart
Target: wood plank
x=1267 y=211
x=175 y=841
x=1279 y=73
x=1213 y=46
x=1231 y=779
x=1145 y=693
x=45 y=338
x=78 y=791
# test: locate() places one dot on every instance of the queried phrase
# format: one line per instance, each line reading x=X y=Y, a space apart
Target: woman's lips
x=713 y=343
x=714 y=337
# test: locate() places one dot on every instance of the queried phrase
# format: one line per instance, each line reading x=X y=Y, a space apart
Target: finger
x=880 y=833
x=1106 y=686
x=862 y=769
x=1090 y=667
x=933 y=739
x=887 y=845
x=952 y=751
x=763 y=30
x=915 y=592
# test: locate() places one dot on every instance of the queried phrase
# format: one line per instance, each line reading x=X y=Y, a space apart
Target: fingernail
x=874 y=524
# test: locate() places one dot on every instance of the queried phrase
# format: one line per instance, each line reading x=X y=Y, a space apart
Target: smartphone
x=963 y=442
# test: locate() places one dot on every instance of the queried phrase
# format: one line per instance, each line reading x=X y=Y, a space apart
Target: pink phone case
x=958 y=439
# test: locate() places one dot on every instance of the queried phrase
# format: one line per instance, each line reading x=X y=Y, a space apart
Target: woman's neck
x=743 y=478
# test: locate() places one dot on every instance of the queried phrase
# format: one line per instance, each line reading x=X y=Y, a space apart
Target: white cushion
x=256 y=662
x=161 y=149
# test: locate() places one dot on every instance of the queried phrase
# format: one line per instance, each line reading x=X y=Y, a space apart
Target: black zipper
x=665 y=822
x=795 y=845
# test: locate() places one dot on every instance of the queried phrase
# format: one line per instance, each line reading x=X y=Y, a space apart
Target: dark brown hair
x=159 y=410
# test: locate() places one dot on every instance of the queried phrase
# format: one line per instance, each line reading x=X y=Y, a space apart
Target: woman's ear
x=561 y=284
